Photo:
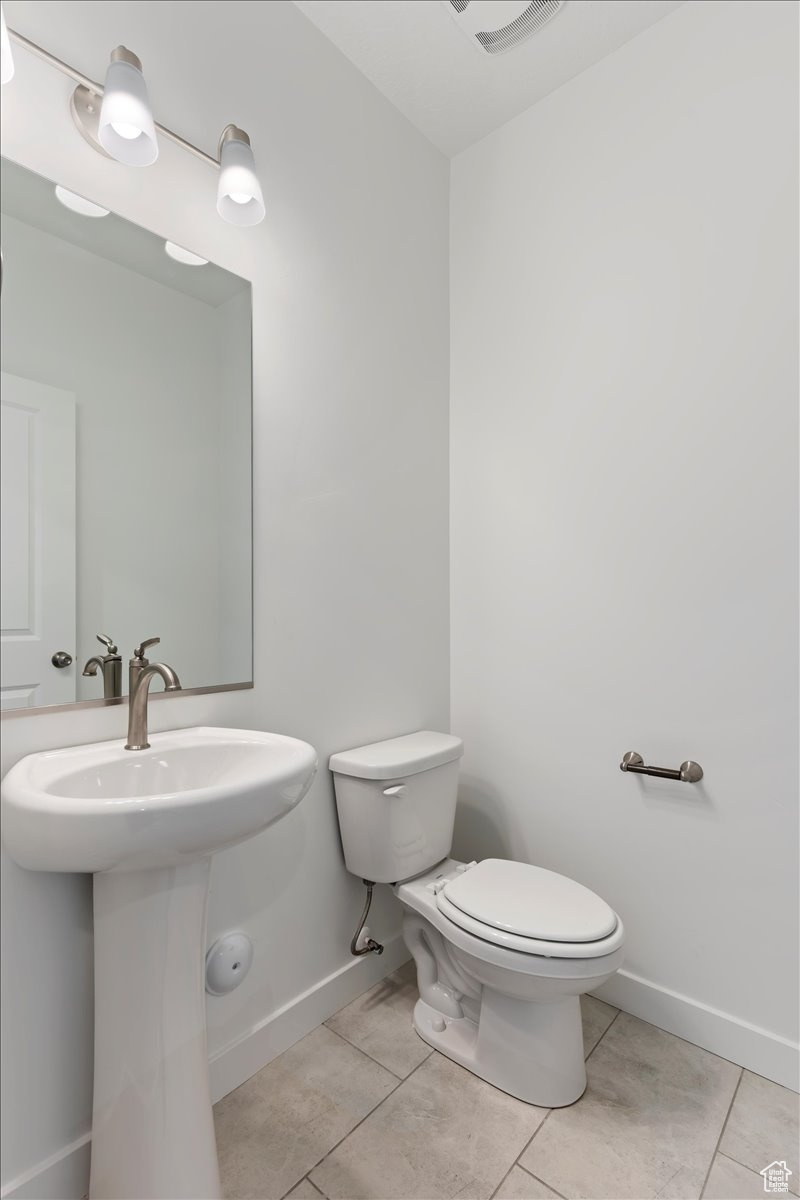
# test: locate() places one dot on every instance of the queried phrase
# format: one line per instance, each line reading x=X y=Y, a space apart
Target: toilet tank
x=396 y=802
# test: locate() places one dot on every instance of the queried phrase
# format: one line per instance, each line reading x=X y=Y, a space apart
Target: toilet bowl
x=503 y=949
x=504 y=1005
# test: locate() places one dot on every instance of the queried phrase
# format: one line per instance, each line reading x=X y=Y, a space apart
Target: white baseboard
x=748 y=1045
x=62 y=1176
x=235 y=1064
x=65 y=1175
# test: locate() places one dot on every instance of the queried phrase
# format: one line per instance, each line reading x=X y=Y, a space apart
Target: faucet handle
x=139 y=652
x=106 y=641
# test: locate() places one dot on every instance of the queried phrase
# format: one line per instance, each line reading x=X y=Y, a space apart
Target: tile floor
x=363 y=1108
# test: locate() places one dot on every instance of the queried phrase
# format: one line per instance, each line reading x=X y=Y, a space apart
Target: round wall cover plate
x=227 y=962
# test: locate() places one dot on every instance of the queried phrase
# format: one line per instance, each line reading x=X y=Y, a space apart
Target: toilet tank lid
x=407 y=755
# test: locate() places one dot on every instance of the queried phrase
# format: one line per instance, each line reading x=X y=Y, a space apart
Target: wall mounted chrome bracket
x=85 y=108
x=687 y=772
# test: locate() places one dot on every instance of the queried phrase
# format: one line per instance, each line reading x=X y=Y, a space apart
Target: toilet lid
x=529 y=901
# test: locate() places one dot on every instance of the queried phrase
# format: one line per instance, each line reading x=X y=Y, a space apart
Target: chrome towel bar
x=687 y=772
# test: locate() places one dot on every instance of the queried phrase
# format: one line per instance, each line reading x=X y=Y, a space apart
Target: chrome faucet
x=141 y=673
x=110 y=665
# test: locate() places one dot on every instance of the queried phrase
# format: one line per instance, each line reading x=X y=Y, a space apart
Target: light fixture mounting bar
x=97 y=89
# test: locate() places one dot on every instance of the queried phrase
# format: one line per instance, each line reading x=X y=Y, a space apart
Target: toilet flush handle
x=399 y=789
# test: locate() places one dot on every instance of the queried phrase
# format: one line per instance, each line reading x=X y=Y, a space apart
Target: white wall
x=624 y=500
x=350 y=296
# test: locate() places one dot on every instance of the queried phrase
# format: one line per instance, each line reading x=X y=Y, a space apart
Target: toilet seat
x=529 y=909
x=553 y=960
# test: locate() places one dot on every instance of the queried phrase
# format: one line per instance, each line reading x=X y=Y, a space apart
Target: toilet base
x=541 y=1063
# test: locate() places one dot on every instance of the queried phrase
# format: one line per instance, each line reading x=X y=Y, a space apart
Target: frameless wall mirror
x=126 y=453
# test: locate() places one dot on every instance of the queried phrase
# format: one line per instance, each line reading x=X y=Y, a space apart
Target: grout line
x=525 y=1170
x=305 y=1179
x=502 y=1181
x=541 y=1181
x=678 y=1037
x=727 y=1154
x=730 y=1158
x=369 y=1056
x=399 y=1083
x=617 y=1014
x=662 y=1190
x=516 y=1162
x=546 y=1118
x=722 y=1131
x=364 y=1118
x=541 y=1124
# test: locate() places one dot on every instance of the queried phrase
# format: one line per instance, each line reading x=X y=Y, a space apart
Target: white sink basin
x=145 y=823
x=102 y=808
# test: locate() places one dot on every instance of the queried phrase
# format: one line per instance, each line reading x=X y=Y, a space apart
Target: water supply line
x=370 y=946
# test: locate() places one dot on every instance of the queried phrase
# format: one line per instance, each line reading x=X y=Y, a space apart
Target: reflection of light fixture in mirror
x=79 y=204
x=184 y=256
x=126 y=130
x=239 y=198
x=6 y=57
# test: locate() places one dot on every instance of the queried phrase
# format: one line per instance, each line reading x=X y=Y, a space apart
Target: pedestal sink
x=145 y=824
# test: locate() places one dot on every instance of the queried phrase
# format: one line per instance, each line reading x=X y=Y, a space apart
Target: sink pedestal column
x=152 y=1129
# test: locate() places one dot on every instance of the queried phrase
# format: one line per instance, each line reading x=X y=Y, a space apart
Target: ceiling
x=413 y=51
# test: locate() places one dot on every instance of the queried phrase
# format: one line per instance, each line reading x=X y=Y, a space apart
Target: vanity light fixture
x=6 y=57
x=117 y=121
x=79 y=204
x=184 y=256
x=126 y=130
x=239 y=198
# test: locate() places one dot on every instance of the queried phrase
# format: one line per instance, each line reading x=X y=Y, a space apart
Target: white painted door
x=37 y=508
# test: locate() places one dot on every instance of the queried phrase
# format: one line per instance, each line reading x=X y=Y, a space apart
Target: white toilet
x=503 y=950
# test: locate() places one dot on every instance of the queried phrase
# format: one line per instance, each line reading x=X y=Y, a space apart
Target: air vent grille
x=459 y=5
x=531 y=21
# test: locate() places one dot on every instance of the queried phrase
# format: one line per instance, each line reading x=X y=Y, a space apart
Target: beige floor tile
x=275 y=1127
x=763 y=1126
x=443 y=1133
x=519 y=1185
x=596 y=1016
x=647 y=1124
x=305 y=1190
x=731 y=1181
x=379 y=1023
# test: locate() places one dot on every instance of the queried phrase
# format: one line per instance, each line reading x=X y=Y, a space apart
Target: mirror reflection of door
x=37 y=612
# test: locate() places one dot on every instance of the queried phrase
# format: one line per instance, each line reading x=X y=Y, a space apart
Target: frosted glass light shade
x=239 y=198
x=126 y=130
x=6 y=57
